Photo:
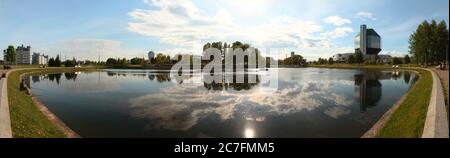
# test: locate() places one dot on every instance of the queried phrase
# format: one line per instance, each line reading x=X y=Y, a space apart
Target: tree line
x=429 y=43
x=159 y=59
x=294 y=60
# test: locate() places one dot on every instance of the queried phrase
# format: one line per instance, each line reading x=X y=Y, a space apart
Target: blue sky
x=86 y=29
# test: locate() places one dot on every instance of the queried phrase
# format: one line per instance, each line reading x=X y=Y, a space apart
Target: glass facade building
x=368 y=41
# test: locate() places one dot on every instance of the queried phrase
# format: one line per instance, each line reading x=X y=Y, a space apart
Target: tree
x=10 y=55
x=351 y=59
x=162 y=59
x=407 y=60
x=121 y=62
x=70 y=63
x=359 y=59
x=111 y=62
x=57 y=62
x=51 y=62
x=396 y=61
x=136 y=61
x=54 y=62
x=330 y=61
x=295 y=60
x=429 y=43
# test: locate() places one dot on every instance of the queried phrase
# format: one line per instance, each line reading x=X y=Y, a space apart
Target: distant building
x=40 y=59
x=151 y=55
x=368 y=42
x=342 y=57
x=23 y=55
x=292 y=54
x=385 y=58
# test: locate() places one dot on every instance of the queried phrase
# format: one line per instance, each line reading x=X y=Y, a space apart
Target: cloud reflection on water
x=180 y=107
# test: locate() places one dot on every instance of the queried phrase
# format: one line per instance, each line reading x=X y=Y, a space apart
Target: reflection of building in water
x=151 y=77
x=368 y=88
x=368 y=91
x=37 y=78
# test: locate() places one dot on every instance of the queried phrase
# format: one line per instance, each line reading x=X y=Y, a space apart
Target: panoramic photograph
x=224 y=69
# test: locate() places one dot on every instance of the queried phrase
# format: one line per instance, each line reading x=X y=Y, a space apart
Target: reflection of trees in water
x=55 y=77
x=111 y=74
x=236 y=86
x=161 y=78
x=139 y=75
x=70 y=76
x=225 y=85
x=36 y=79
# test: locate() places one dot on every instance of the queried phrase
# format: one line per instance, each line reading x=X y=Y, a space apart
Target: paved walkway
x=5 y=122
x=443 y=74
x=436 y=123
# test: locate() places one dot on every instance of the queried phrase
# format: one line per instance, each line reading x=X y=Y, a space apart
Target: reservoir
x=306 y=103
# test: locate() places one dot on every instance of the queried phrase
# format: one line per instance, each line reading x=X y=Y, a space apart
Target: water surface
x=307 y=102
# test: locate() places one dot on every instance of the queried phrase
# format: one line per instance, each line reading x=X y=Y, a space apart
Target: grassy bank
x=27 y=121
x=409 y=119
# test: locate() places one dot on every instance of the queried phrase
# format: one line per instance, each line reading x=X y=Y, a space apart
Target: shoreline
x=43 y=123
x=375 y=129
x=50 y=115
x=371 y=133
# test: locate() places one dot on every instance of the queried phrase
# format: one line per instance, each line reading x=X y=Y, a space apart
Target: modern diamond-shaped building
x=368 y=41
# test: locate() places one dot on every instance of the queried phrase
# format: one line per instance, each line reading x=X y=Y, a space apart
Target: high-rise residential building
x=40 y=59
x=368 y=41
x=292 y=54
x=4 y=57
x=23 y=55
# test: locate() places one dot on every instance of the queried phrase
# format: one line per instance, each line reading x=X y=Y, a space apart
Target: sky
x=88 y=30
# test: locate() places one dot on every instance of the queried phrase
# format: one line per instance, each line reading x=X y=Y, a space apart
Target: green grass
x=409 y=119
x=27 y=121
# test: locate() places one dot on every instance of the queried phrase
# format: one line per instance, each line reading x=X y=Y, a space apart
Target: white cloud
x=186 y=25
x=366 y=15
x=394 y=53
x=183 y=25
x=179 y=23
x=336 y=20
x=338 y=32
x=254 y=104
